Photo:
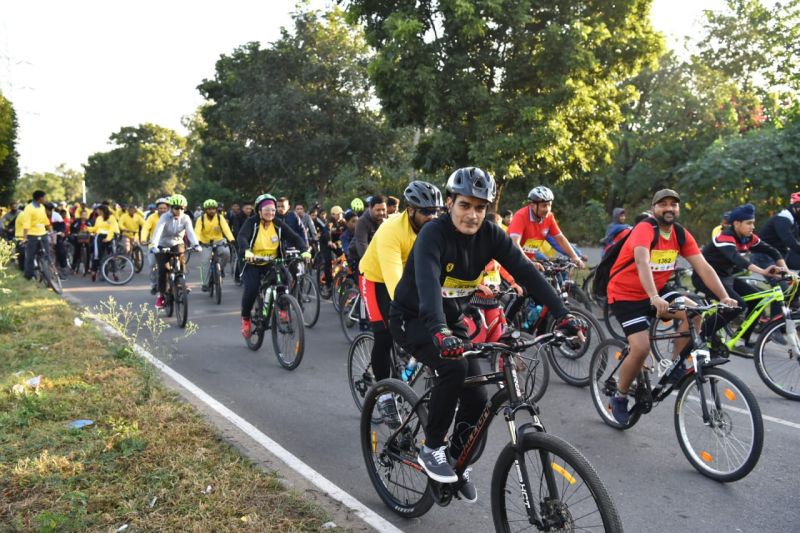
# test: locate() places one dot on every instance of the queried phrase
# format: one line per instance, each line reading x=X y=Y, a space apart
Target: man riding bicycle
x=131 y=223
x=427 y=313
x=170 y=231
x=35 y=225
x=381 y=270
x=725 y=254
x=533 y=224
x=212 y=228
x=262 y=236
x=637 y=282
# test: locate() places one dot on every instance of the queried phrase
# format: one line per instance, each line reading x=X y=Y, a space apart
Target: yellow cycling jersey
x=109 y=227
x=387 y=253
x=267 y=241
x=150 y=226
x=35 y=220
x=131 y=225
x=18 y=225
x=212 y=230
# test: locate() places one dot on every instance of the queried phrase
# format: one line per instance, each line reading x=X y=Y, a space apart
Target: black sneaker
x=388 y=410
x=204 y=288
x=153 y=289
x=434 y=462
x=619 y=409
x=467 y=489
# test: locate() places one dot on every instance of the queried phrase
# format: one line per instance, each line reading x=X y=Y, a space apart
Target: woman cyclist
x=171 y=228
x=262 y=235
x=105 y=228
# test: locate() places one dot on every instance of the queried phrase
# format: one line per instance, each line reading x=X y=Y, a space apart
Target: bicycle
x=214 y=279
x=569 y=495
x=568 y=359
x=137 y=255
x=45 y=270
x=352 y=314
x=276 y=309
x=711 y=404
x=176 y=295
x=303 y=288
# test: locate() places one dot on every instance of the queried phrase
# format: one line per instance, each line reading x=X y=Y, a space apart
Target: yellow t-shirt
x=267 y=241
x=109 y=227
x=150 y=226
x=209 y=231
x=35 y=220
x=18 y=225
x=387 y=253
x=131 y=225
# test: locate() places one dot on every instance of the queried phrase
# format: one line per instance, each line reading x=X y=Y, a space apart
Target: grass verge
x=149 y=461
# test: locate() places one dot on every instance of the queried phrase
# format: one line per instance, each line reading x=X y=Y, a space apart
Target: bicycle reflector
x=567 y=475
x=707 y=457
x=729 y=394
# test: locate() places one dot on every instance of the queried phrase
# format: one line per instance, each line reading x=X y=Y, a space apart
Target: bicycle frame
x=764 y=298
x=213 y=264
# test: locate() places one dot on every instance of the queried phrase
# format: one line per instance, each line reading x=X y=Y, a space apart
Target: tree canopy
x=9 y=167
x=63 y=184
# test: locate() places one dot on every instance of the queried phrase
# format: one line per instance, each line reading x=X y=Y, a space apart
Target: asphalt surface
x=311 y=413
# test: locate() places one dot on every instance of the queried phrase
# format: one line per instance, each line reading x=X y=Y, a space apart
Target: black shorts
x=635 y=315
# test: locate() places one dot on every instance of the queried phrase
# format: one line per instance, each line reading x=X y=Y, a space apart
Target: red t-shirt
x=532 y=234
x=626 y=285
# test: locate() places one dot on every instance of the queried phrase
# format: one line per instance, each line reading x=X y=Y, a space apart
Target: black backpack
x=603 y=272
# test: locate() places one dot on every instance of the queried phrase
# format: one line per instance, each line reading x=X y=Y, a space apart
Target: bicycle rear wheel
x=181 y=299
x=117 y=269
x=49 y=274
x=777 y=360
x=308 y=298
x=604 y=373
x=349 y=313
x=392 y=462
x=612 y=324
x=288 y=333
x=217 y=283
x=359 y=367
x=257 y=324
x=728 y=445
x=566 y=493
x=138 y=258
x=571 y=359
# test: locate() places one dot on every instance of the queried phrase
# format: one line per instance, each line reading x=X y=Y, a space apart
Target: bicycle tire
x=169 y=304
x=359 y=367
x=702 y=458
x=350 y=300
x=572 y=364
x=257 y=321
x=345 y=284
x=217 y=284
x=181 y=299
x=293 y=323
x=50 y=275
x=576 y=497
x=325 y=290
x=308 y=298
x=117 y=269
x=601 y=388
x=612 y=324
x=69 y=249
x=776 y=363
x=382 y=467
x=138 y=258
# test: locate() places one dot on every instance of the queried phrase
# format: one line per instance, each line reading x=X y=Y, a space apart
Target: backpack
x=603 y=272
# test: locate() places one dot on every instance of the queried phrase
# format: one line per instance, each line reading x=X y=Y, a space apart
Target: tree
x=522 y=88
x=148 y=161
x=9 y=166
x=290 y=117
x=63 y=184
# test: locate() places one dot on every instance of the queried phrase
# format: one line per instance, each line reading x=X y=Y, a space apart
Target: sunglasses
x=427 y=211
x=177 y=207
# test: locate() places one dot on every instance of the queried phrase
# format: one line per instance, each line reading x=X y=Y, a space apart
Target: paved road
x=310 y=412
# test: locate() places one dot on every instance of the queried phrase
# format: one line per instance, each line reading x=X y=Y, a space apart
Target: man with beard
x=636 y=286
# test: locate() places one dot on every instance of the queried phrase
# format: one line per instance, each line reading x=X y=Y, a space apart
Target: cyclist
x=162 y=206
x=725 y=255
x=381 y=269
x=35 y=225
x=782 y=232
x=350 y=220
x=724 y=223
x=104 y=229
x=80 y=238
x=616 y=227
x=212 y=228
x=262 y=235
x=637 y=281
x=131 y=223
x=60 y=229
x=532 y=224
x=427 y=313
x=170 y=231
x=366 y=227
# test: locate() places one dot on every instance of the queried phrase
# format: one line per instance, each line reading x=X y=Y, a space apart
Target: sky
x=78 y=71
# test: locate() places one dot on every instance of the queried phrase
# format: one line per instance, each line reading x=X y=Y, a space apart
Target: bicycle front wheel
x=359 y=367
x=571 y=359
x=181 y=299
x=117 y=269
x=217 y=283
x=563 y=490
x=308 y=298
x=138 y=258
x=288 y=333
x=349 y=314
x=392 y=459
x=727 y=446
x=50 y=274
x=777 y=359
x=257 y=325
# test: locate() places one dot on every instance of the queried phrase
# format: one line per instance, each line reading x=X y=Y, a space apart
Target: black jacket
x=782 y=232
x=444 y=260
x=249 y=231
x=724 y=252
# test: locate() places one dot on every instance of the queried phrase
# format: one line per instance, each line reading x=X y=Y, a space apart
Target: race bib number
x=663 y=260
x=457 y=288
x=532 y=246
x=492 y=279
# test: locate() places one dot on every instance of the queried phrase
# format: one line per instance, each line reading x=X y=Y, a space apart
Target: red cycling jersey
x=531 y=233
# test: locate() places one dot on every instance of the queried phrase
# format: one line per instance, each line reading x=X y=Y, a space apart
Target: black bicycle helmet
x=472 y=181
x=422 y=194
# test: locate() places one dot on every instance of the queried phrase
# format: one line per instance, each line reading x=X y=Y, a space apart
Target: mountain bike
x=717 y=419
x=569 y=359
x=539 y=481
x=214 y=274
x=352 y=315
x=277 y=310
x=137 y=255
x=44 y=269
x=343 y=280
x=176 y=295
x=303 y=287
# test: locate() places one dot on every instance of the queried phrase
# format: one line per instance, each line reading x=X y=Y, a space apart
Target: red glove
x=569 y=325
x=450 y=346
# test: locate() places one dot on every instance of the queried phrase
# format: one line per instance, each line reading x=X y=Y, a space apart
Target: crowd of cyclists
x=419 y=268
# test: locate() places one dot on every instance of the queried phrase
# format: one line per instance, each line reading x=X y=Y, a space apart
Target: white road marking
x=774 y=419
